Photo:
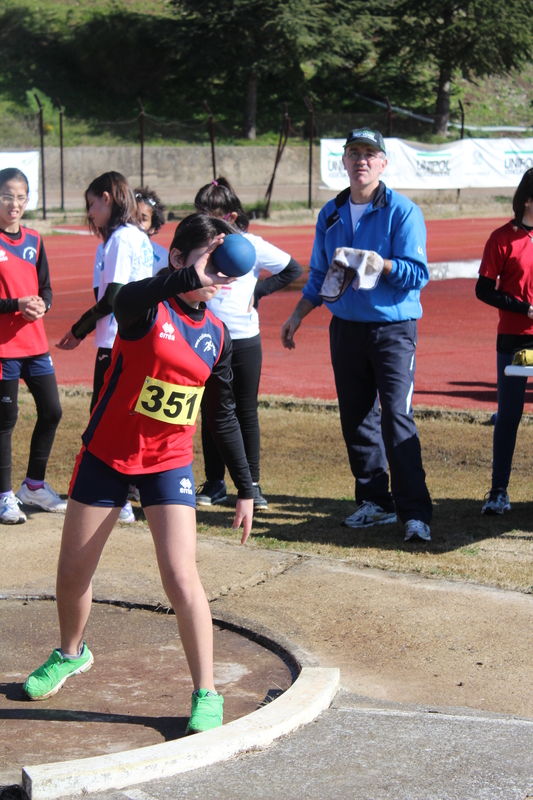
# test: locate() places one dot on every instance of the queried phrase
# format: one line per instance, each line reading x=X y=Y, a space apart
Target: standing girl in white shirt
x=236 y=305
x=126 y=256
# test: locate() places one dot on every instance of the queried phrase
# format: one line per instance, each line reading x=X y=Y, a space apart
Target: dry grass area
x=310 y=491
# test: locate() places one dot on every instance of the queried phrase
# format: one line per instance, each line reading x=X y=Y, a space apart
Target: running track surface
x=456 y=360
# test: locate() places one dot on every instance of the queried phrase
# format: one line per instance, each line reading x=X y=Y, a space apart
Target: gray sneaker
x=416 y=529
x=497 y=502
x=44 y=498
x=10 y=512
x=369 y=514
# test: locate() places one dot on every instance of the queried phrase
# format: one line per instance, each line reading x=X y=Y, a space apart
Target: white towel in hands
x=364 y=267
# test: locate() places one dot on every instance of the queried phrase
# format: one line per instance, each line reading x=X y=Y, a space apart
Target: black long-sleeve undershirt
x=486 y=292
x=135 y=309
x=87 y=322
x=10 y=304
x=276 y=282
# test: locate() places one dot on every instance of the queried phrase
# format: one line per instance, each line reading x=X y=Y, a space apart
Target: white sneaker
x=10 y=513
x=44 y=498
x=369 y=514
x=416 y=529
x=126 y=513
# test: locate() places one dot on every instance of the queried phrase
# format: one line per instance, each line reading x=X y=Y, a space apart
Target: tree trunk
x=250 y=108
x=442 y=111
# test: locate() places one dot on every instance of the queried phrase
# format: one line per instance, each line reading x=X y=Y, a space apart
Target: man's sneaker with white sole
x=369 y=514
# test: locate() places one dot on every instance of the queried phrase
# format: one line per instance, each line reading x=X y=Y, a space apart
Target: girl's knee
x=182 y=588
x=8 y=415
x=51 y=416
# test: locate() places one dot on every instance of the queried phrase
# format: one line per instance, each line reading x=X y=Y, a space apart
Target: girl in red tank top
x=141 y=429
x=25 y=297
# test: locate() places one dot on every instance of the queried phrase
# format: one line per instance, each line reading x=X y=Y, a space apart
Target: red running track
x=456 y=362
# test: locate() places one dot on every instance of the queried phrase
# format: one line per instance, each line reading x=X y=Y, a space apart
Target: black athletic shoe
x=259 y=500
x=211 y=493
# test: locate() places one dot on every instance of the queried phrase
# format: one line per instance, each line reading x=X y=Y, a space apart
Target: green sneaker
x=50 y=677
x=206 y=711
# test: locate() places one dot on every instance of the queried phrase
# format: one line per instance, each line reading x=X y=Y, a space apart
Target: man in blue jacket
x=372 y=288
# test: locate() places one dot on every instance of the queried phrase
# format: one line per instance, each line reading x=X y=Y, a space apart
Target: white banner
x=28 y=163
x=464 y=164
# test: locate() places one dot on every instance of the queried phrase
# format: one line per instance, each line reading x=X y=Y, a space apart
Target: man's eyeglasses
x=369 y=155
x=9 y=200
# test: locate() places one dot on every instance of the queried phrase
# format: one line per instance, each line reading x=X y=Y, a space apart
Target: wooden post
x=283 y=136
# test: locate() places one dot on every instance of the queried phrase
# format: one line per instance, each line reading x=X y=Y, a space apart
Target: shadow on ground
x=168 y=727
x=317 y=520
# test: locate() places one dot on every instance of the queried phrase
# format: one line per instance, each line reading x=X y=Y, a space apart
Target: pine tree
x=471 y=38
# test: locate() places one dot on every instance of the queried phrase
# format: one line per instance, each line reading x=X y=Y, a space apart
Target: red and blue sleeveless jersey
x=145 y=417
x=18 y=278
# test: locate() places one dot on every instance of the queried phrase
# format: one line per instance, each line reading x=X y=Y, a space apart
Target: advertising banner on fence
x=28 y=163
x=464 y=164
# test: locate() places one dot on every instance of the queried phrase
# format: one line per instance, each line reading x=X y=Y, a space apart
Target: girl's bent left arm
x=276 y=282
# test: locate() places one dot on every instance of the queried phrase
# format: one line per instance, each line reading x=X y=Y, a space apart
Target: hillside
x=98 y=57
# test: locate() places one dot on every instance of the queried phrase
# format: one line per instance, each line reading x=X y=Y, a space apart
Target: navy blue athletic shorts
x=94 y=483
x=12 y=369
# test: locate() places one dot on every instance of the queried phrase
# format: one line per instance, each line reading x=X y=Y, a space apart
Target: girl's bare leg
x=173 y=529
x=85 y=532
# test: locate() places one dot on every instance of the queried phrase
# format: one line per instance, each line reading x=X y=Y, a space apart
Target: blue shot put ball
x=235 y=256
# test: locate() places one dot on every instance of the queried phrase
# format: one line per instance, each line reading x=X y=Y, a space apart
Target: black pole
x=389 y=117
x=41 y=130
x=212 y=137
x=141 y=131
x=462 y=120
x=462 y=135
x=311 y=134
x=284 y=132
x=58 y=101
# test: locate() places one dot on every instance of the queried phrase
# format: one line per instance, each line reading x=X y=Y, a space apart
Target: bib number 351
x=169 y=402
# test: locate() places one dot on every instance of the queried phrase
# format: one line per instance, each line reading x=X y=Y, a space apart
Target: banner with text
x=28 y=163
x=464 y=164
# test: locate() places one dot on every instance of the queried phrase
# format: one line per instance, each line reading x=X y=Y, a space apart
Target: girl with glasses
x=25 y=297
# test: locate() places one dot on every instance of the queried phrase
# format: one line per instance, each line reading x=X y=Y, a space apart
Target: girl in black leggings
x=25 y=297
x=236 y=305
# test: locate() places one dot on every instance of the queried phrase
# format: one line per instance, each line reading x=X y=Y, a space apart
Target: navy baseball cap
x=366 y=136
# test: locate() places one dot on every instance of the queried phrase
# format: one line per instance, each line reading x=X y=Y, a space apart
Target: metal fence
x=144 y=128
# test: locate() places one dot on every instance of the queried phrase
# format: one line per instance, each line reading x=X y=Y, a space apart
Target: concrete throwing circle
x=136 y=694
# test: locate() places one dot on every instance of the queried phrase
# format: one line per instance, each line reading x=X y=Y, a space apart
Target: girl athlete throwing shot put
x=141 y=432
x=236 y=305
x=25 y=297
